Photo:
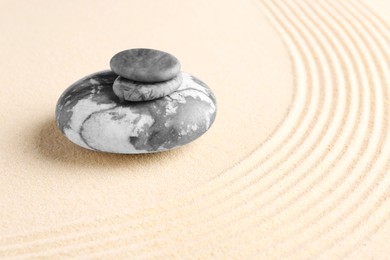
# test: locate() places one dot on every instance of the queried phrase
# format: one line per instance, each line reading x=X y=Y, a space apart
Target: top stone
x=145 y=65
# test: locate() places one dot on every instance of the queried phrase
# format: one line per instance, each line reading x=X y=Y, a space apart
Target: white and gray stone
x=145 y=65
x=89 y=114
x=131 y=90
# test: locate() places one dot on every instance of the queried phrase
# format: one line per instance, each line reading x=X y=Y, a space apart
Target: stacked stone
x=145 y=74
x=150 y=107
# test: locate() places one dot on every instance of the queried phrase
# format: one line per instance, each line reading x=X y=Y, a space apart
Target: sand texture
x=295 y=166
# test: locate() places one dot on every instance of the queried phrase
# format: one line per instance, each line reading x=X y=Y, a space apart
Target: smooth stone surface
x=145 y=65
x=131 y=90
x=89 y=114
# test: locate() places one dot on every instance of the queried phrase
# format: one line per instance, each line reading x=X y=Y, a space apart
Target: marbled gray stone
x=89 y=114
x=145 y=65
x=131 y=90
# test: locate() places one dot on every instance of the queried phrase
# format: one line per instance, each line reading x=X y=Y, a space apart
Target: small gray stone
x=89 y=114
x=145 y=65
x=131 y=90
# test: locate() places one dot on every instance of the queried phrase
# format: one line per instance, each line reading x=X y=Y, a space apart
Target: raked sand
x=296 y=165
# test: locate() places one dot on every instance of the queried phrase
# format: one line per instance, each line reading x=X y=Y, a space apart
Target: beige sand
x=297 y=164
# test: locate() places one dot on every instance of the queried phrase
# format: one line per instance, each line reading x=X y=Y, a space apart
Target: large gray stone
x=145 y=65
x=131 y=90
x=89 y=114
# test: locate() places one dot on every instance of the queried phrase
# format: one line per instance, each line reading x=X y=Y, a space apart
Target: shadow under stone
x=55 y=147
